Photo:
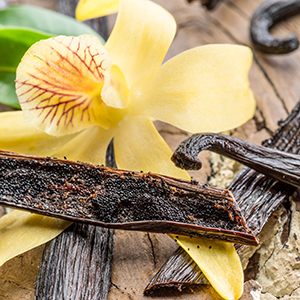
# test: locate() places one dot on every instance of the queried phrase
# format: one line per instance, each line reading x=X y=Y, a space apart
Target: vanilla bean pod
x=258 y=197
x=120 y=199
x=266 y=16
x=82 y=268
x=274 y=163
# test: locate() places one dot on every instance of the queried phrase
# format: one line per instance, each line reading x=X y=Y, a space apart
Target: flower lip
x=59 y=83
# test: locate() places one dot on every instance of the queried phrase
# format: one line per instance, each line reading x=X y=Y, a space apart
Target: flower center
x=66 y=84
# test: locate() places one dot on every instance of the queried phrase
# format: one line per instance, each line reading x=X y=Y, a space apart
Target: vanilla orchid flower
x=76 y=95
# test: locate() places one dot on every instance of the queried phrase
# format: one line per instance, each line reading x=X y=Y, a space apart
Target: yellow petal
x=89 y=9
x=18 y=136
x=22 y=231
x=116 y=94
x=141 y=37
x=219 y=262
x=139 y=147
x=204 y=89
x=59 y=82
x=88 y=146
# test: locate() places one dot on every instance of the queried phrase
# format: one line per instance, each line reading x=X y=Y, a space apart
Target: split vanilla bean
x=119 y=199
x=266 y=16
x=258 y=197
x=274 y=163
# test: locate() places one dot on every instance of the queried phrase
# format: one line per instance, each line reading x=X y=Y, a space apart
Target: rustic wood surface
x=275 y=83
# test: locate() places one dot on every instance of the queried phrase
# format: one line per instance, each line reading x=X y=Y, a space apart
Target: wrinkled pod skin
x=274 y=163
x=209 y=4
x=120 y=199
x=258 y=197
x=266 y=16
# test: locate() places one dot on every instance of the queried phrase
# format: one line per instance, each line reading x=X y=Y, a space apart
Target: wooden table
x=275 y=81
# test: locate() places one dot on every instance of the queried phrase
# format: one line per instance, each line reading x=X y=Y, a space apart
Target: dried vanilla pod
x=258 y=197
x=58 y=272
x=119 y=199
x=274 y=163
x=180 y=272
x=266 y=16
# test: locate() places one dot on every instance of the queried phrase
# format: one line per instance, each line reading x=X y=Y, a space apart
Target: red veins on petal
x=59 y=82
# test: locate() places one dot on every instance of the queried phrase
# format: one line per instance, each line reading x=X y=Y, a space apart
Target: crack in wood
x=152 y=249
x=252 y=268
x=195 y=24
x=260 y=125
x=270 y=256
x=225 y=31
x=120 y=290
x=114 y=285
x=18 y=285
x=286 y=229
x=235 y=7
x=270 y=82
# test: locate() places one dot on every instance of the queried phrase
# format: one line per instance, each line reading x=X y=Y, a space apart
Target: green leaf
x=50 y=22
x=14 y=42
x=20 y=27
x=7 y=89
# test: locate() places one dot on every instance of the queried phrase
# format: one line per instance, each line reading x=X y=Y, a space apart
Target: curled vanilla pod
x=209 y=4
x=274 y=163
x=266 y=16
x=258 y=197
x=119 y=199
